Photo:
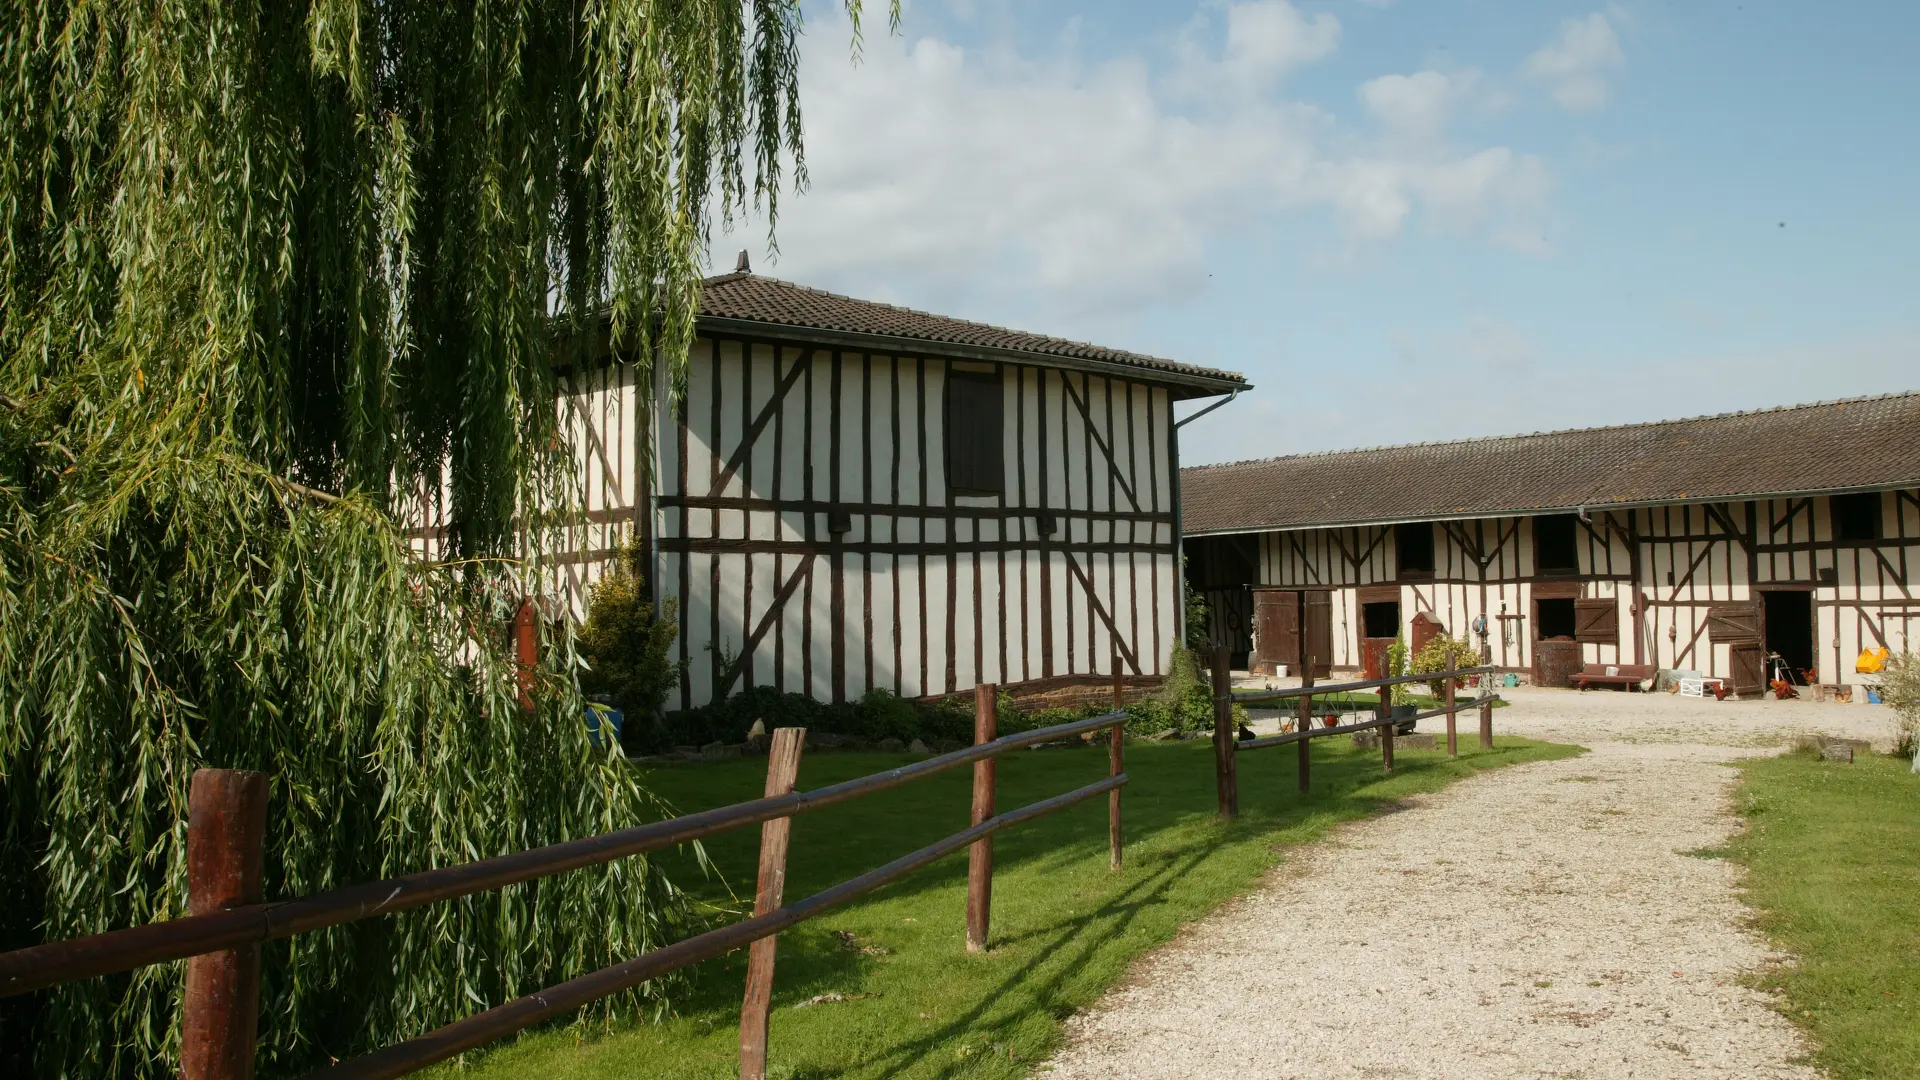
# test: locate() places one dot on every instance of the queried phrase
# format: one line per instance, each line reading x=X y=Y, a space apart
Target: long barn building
x=1707 y=544
x=855 y=495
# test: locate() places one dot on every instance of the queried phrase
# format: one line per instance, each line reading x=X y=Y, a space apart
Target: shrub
x=1900 y=689
x=624 y=646
x=1397 y=666
x=1184 y=702
x=1445 y=653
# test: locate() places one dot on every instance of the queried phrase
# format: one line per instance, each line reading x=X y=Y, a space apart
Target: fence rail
x=1228 y=746
x=224 y=840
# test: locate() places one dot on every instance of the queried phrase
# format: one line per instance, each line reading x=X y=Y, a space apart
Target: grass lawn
x=1064 y=926
x=1834 y=858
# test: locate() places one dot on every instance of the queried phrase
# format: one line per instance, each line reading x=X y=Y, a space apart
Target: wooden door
x=1276 y=630
x=1749 y=664
x=1373 y=657
x=1316 y=631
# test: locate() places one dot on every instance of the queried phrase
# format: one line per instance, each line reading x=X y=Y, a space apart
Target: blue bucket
x=1873 y=697
x=613 y=718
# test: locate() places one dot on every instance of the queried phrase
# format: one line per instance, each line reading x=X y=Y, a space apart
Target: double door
x=1291 y=627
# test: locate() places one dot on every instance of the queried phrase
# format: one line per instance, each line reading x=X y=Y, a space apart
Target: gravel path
x=1540 y=921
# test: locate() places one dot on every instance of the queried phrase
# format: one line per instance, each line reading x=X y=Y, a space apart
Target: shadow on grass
x=1068 y=927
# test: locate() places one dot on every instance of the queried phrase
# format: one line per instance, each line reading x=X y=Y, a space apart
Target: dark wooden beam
x=752 y=435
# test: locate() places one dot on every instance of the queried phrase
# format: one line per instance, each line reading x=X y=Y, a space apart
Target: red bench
x=1627 y=675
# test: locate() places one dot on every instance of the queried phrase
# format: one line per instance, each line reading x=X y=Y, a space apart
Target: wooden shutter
x=1597 y=621
x=1737 y=623
x=976 y=459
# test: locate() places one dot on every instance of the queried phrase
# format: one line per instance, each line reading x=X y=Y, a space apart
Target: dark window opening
x=1555 y=619
x=1789 y=630
x=1413 y=544
x=1856 y=517
x=1381 y=620
x=1555 y=545
x=976 y=463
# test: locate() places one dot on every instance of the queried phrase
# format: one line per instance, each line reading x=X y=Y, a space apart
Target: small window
x=1556 y=619
x=976 y=462
x=1554 y=545
x=1413 y=545
x=1381 y=620
x=1856 y=517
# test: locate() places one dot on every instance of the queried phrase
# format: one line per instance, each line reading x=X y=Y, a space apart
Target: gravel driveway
x=1544 y=920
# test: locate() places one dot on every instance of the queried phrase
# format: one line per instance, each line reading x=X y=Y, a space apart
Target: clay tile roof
x=1853 y=444
x=752 y=298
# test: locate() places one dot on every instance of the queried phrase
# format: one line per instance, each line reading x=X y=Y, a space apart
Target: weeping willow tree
x=274 y=276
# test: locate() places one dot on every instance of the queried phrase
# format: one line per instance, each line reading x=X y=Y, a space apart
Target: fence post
x=1115 y=766
x=1386 y=729
x=1306 y=725
x=1453 y=742
x=226 y=822
x=980 y=857
x=1224 y=745
x=1486 y=720
x=783 y=768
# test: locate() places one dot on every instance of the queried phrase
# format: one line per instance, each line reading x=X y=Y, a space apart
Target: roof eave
x=1185 y=384
x=1542 y=511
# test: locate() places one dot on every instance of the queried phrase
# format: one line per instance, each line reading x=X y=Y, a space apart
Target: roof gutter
x=890 y=343
x=1228 y=400
x=1543 y=511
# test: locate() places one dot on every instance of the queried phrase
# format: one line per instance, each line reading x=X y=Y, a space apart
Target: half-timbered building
x=853 y=495
x=1707 y=544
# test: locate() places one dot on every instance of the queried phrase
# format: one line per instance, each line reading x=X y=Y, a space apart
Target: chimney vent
x=741 y=265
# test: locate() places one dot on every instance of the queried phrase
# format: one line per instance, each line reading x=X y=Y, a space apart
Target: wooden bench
x=1627 y=675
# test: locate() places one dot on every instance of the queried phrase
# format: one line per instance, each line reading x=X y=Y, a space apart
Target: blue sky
x=1403 y=220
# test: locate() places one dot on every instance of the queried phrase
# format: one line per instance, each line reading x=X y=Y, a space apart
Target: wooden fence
x=1227 y=746
x=221 y=936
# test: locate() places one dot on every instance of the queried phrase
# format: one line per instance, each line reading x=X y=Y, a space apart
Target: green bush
x=1900 y=689
x=1445 y=653
x=624 y=646
x=878 y=714
x=1184 y=702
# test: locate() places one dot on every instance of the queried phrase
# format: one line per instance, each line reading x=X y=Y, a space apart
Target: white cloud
x=1417 y=106
x=1269 y=38
x=1576 y=65
x=996 y=181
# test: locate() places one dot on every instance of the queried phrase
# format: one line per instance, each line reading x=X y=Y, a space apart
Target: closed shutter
x=1737 y=623
x=976 y=461
x=1597 y=621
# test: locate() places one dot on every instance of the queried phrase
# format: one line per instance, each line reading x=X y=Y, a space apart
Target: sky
x=1402 y=220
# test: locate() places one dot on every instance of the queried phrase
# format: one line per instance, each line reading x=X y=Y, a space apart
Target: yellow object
x=1871 y=661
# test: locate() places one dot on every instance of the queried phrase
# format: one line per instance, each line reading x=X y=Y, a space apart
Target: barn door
x=1316 y=631
x=1276 y=629
x=1749 y=669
